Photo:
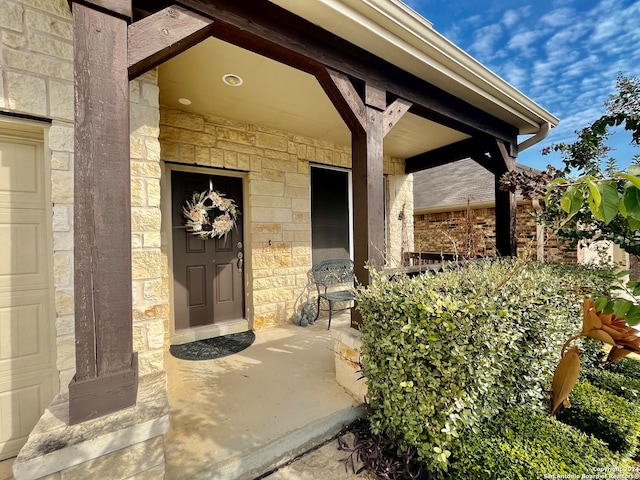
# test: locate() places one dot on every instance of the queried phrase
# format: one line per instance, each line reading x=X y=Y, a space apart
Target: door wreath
x=210 y=214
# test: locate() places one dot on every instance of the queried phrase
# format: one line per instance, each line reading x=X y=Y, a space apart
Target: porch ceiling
x=277 y=96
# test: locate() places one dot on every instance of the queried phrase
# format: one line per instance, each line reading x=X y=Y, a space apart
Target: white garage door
x=27 y=375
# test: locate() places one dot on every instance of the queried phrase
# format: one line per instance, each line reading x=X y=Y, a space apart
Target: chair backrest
x=333 y=272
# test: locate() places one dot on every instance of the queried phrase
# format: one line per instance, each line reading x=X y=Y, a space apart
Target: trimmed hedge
x=520 y=444
x=616 y=383
x=629 y=367
x=443 y=352
x=604 y=415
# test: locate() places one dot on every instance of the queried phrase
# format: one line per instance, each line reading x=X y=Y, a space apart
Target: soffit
x=277 y=96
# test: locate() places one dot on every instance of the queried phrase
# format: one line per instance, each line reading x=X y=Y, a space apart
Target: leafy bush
x=604 y=415
x=593 y=353
x=441 y=353
x=616 y=383
x=520 y=444
x=629 y=367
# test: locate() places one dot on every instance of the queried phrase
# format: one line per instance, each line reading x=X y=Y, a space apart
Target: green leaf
x=634 y=170
x=610 y=199
x=621 y=307
x=601 y=303
x=608 y=308
x=633 y=224
x=633 y=315
x=571 y=200
x=632 y=178
x=631 y=201
x=594 y=200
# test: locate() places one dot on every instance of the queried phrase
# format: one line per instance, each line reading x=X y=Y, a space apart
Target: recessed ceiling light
x=232 y=79
x=184 y=101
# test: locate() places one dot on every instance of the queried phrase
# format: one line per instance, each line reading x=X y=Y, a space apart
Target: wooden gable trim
x=163 y=35
x=274 y=32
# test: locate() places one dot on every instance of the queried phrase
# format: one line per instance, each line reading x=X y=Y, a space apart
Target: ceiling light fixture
x=232 y=79
x=184 y=101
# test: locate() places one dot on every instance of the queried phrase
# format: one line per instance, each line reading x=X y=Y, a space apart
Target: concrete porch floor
x=241 y=416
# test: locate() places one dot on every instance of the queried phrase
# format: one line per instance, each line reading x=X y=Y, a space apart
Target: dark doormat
x=213 y=347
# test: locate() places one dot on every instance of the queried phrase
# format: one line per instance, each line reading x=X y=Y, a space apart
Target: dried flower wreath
x=209 y=214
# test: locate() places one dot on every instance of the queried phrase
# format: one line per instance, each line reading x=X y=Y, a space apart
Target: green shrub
x=593 y=353
x=604 y=415
x=443 y=352
x=617 y=383
x=523 y=445
x=629 y=367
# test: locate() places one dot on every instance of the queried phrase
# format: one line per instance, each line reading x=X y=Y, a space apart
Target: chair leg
x=330 y=312
x=317 y=310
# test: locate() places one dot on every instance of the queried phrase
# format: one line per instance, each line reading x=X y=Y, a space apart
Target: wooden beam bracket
x=394 y=113
x=345 y=98
x=163 y=35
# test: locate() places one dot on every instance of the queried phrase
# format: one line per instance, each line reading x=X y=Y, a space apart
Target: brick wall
x=446 y=232
x=277 y=214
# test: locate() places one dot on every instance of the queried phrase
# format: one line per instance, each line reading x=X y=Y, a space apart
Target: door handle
x=240 y=261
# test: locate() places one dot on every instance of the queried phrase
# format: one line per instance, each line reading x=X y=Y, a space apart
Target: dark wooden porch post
x=369 y=120
x=106 y=377
x=506 y=244
x=368 y=186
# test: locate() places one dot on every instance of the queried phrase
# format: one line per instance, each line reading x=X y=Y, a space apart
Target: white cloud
x=510 y=18
x=485 y=40
x=605 y=29
x=563 y=54
x=515 y=75
x=526 y=41
x=559 y=17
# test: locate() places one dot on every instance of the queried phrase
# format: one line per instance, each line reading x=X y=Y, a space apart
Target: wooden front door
x=207 y=274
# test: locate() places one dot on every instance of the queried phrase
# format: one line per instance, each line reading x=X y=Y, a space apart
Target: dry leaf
x=616 y=353
x=600 y=335
x=564 y=378
x=590 y=321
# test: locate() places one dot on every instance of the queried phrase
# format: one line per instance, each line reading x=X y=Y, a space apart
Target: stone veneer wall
x=437 y=232
x=277 y=214
x=36 y=78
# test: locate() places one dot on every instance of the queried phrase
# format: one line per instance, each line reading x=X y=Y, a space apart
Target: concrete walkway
x=323 y=463
x=241 y=416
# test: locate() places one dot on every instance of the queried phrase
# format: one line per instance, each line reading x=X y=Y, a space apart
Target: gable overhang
x=392 y=31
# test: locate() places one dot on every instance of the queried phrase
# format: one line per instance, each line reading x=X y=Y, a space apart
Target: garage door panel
x=21 y=172
x=24 y=327
x=22 y=402
x=23 y=252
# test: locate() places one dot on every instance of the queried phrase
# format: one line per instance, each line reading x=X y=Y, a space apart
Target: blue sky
x=563 y=54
